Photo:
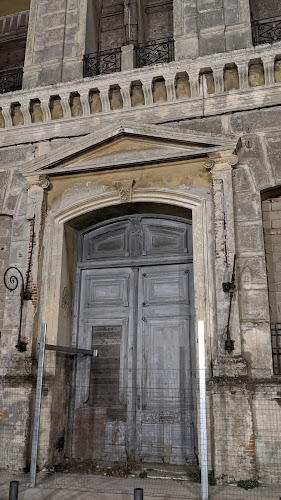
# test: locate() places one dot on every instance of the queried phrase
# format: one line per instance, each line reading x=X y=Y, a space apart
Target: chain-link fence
x=105 y=431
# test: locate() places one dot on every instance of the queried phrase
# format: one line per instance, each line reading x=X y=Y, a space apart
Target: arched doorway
x=136 y=398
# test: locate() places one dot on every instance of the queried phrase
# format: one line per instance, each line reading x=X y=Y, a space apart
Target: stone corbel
x=147 y=92
x=243 y=72
x=25 y=109
x=268 y=67
x=105 y=103
x=35 y=186
x=125 y=189
x=126 y=96
x=170 y=88
x=218 y=79
x=6 y=112
x=45 y=106
x=194 y=84
x=85 y=103
x=65 y=104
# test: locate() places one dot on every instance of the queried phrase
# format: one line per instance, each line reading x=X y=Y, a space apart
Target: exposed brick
x=267 y=224
x=276 y=205
x=266 y=206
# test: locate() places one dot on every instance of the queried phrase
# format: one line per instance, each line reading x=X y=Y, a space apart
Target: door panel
x=166 y=411
x=103 y=402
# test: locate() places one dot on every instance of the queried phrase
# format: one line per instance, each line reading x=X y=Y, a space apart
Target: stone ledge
x=230 y=367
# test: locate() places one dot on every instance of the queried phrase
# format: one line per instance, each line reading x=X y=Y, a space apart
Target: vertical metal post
x=203 y=411
x=36 y=422
x=138 y=494
x=14 y=490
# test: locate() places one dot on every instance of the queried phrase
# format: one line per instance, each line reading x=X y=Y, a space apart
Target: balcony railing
x=267 y=30
x=11 y=80
x=158 y=51
x=104 y=62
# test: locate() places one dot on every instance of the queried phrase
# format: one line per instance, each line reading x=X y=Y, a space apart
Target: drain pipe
x=203 y=411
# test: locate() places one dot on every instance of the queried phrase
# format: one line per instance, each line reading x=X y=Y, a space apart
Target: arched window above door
x=144 y=237
x=266 y=21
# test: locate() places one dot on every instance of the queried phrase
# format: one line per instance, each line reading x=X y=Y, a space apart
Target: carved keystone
x=125 y=189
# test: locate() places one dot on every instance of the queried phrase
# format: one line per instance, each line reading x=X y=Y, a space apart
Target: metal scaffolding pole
x=36 y=422
x=203 y=411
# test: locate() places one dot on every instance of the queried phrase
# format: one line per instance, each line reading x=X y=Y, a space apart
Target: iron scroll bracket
x=13 y=278
x=230 y=287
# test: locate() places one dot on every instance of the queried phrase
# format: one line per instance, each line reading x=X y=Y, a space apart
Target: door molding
x=203 y=251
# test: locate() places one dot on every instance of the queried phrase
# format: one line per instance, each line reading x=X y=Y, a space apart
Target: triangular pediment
x=132 y=144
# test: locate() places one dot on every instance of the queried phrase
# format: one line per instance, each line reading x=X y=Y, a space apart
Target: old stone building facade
x=140 y=152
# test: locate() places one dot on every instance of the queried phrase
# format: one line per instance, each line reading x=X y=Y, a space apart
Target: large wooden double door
x=136 y=397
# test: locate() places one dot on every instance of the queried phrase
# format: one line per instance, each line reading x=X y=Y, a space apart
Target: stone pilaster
x=35 y=213
x=225 y=249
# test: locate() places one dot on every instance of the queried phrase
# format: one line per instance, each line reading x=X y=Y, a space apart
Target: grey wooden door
x=136 y=398
x=166 y=415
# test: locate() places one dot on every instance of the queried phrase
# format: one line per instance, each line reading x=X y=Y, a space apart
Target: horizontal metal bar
x=70 y=350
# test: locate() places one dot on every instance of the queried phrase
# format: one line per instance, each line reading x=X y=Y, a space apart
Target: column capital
x=37 y=181
x=226 y=161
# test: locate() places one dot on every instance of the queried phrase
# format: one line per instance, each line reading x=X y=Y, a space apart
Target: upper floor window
x=266 y=21
x=145 y=25
x=13 y=34
x=156 y=44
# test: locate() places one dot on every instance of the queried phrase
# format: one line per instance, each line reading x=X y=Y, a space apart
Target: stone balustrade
x=14 y=24
x=207 y=78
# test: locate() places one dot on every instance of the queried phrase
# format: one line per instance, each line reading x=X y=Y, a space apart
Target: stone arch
x=202 y=245
x=59 y=266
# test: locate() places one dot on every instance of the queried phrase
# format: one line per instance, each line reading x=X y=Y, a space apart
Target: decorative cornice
x=188 y=143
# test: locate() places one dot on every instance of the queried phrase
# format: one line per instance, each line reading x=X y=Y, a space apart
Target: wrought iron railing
x=103 y=62
x=267 y=30
x=10 y=80
x=158 y=51
x=276 y=348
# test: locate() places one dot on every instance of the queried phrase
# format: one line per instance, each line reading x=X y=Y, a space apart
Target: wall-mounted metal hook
x=13 y=278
